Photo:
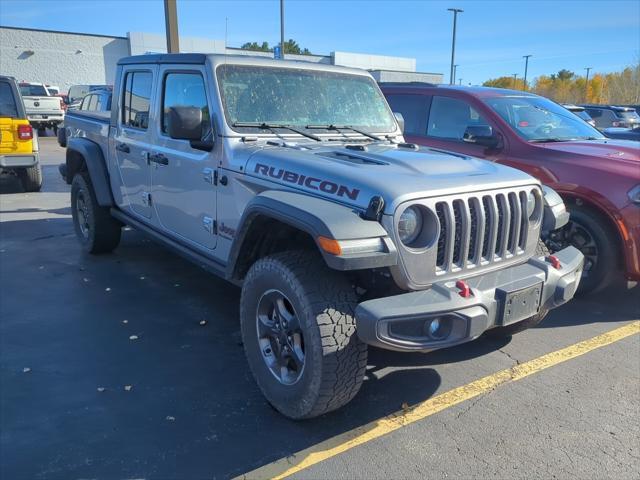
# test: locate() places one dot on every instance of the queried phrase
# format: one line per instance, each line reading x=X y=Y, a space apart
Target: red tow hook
x=554 y=261
x=465 y=290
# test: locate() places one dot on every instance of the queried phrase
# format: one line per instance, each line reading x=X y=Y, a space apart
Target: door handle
x=159 y=158
x=122 y=147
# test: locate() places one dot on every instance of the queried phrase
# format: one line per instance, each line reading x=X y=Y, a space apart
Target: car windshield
x=33 y=91
x=301 y=98
x=537 y=119
x=628 y=114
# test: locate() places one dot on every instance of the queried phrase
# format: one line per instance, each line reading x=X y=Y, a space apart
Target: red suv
x=598 y=178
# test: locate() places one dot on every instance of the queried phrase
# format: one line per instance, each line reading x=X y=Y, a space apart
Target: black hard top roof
x=185 y=58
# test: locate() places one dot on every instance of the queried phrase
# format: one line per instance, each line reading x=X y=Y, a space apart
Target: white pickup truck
x=43 y=110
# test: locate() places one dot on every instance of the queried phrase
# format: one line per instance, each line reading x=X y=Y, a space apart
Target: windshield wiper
x=337 y=128
x=551 y=140
x=273 y=126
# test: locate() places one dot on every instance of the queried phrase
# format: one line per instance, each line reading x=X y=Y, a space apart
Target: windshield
x=301 y=98
x=628 y=114
x=33 y=91
x=538 y=119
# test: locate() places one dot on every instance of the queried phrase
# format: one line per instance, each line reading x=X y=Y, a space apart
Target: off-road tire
x=510 y=330
x=103 y=230
x=31 y=178
x=335 y=358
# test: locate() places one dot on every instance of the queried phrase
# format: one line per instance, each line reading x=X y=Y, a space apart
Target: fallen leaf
x=125 y=321
x=128 y=388
x=26 y=370
x=176 y=284
x=101 y=389
x=142 y=278
x=203 y=322
x=107 y=289
x=85 y=280
x=170 y=418
x=133 y=337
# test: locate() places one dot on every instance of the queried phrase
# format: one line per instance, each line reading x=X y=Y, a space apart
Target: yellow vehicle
x=18 y=143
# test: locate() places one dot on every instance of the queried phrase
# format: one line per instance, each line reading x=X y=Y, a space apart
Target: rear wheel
x=299 y=334
x=31 y=178
x=96 y=229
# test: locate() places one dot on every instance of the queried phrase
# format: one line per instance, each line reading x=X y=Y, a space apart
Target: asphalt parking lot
x=130 y=365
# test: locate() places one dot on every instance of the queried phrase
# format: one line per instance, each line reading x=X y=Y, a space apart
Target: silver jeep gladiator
x=293 y=181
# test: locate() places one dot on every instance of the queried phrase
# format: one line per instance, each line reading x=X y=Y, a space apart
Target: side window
x=84 y=105
x=93 y=103
x=136 y=99
x=414 y=109
x=99 y=100
x=8 y=107
x=594 y=113
x=450 y=117
x=185 y=90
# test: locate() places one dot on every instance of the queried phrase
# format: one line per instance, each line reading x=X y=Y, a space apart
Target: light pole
x=455 y=11
x=586 y=87
x=515 y=80
x=455 y=71
x=459 y=81
x=526 y=67
x=282 y=28
x=171 y=26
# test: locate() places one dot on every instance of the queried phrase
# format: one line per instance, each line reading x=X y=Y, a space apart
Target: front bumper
x=19 y=160
x=398 y=322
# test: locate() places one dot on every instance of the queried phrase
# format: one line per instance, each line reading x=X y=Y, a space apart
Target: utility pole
x=455 y=71
x=171 y=26
x=586 y=87
x=515 y=80
x=452 y=78
x=526 y=67
x=459 y=81
x=282 y=28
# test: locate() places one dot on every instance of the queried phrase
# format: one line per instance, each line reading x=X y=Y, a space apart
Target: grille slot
x=479 y=230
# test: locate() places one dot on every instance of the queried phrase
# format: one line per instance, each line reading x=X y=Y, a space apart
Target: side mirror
x=480 y=135
x=400 y=120
x=186 y=123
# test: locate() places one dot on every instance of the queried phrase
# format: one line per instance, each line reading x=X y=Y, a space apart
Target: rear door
x=133 y=137
x=184 y=194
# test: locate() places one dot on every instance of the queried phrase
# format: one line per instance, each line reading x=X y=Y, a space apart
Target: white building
x=65 y=58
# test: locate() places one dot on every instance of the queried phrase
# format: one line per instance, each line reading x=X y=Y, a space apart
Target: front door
x=133 y=139
x=183 y=190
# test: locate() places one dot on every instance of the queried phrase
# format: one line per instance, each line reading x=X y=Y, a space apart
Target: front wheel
x=299 y=334
x=96 y=229
x=587 y=232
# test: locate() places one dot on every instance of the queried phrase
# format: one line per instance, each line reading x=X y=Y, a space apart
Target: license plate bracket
x=516 y=305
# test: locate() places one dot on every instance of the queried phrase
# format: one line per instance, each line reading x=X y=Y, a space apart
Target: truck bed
x=91 y=125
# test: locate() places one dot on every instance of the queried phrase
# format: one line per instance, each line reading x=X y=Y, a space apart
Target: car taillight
x=62 y=105
x=615 y=124
x=25 y=132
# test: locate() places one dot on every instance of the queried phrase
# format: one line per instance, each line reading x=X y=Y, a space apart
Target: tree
x=505 y=82
x=290 y=46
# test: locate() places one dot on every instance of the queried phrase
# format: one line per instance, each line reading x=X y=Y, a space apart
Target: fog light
x=438 y=328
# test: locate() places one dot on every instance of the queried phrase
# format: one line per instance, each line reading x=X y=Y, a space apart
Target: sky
x=492 y=35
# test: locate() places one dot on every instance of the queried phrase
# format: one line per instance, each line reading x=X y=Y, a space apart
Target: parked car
x=97 y=102
x=607 y=116
x=635 y=107
x=580 y=112
x=623 y=133
x=18 y=144
x=598 y=178
x=77 y=93
x=43 y=110
x=340 y=234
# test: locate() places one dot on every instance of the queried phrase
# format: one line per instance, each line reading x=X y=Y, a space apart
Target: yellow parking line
x=345 y=441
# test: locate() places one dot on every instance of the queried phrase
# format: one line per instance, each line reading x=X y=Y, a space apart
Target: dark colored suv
x=598 y=178
x=607 y=116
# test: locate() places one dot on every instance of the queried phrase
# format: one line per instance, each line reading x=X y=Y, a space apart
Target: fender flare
x=96 y=165
x=555 y=214
x=316 y=217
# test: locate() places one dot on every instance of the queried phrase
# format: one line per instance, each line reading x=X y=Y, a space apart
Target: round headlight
x=410 y=225
x=531 y=204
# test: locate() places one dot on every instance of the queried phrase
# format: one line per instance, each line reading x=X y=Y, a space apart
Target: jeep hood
x=397 y=174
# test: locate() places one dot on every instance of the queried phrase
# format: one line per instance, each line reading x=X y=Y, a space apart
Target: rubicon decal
x=313 y=183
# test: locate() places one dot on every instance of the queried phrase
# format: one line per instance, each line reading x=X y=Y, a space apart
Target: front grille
x=478 y=230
